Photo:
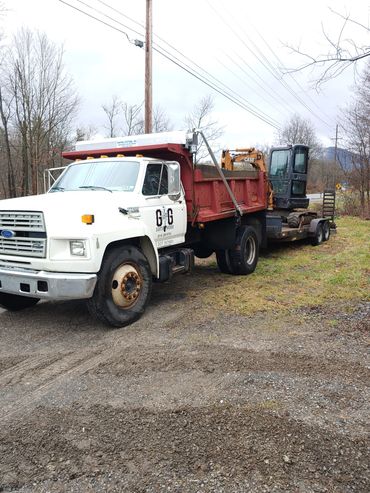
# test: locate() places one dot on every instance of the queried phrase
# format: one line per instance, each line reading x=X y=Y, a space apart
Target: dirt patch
x=187 y=399
x=209 y=359
x=9 y=362
x=182 y=450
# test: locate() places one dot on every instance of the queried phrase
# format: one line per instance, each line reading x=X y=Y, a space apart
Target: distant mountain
x=345 y=158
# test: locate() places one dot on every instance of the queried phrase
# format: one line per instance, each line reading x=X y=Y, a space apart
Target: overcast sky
x=241 y=43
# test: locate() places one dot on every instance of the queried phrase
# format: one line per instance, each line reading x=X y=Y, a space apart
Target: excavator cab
x=288 y=176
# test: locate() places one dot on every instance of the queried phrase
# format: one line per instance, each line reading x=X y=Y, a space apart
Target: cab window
x=300 y=161
x=156 y=179
x=279 y=162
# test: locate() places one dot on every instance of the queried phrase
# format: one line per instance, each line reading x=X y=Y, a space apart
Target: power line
x=99 y=20
x=265 y=62
x=291 y=75
x=225 y=88
x=193 y=62
x=230 y=98
x=235 y=99
x=270 y=94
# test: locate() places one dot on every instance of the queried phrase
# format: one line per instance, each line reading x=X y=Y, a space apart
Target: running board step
x=175 y=262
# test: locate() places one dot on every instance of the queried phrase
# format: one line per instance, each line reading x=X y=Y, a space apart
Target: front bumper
x=46 y=285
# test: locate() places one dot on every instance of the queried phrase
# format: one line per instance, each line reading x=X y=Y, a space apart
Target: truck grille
x=22 y=221
x=29 y=231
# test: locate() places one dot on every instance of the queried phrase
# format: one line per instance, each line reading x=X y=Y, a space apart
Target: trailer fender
x=314 y=223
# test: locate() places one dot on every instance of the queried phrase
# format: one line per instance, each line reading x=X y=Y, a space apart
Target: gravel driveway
x=188 y=399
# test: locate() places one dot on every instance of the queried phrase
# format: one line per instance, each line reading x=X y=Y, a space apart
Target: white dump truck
x=119 y=217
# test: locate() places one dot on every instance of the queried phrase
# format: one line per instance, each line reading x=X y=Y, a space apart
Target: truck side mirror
x=174 y=183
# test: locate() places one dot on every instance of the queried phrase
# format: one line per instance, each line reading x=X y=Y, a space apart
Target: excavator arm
x=239 y=159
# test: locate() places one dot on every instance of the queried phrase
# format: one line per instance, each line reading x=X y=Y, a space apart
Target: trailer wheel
x=16 y=302
x=123 y=288
x=224 y=261
x=244 y=256
x=326 y=230
x=319 y=235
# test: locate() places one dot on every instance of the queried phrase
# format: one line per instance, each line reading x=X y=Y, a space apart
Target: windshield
x=111 y=175
x=279 y=162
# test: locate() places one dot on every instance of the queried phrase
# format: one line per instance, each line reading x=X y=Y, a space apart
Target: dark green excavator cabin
x=288 y=176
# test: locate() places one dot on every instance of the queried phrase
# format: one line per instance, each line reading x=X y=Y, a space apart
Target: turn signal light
x=87 y=218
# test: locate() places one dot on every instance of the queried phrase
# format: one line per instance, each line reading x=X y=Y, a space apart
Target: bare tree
x=43 y=102
x=127 y=119
x=5 y=112
x=356 y=127
x=133 y=121
x=161 y=121
x=84 y=132
x=201 y=117
x=342 y=53
x=298 y=130
x=112 y=111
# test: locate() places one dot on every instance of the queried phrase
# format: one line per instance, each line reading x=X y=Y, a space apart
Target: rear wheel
x=244 y=256
x=326 y=230
x=319 y=235
x=123 y=288
x=224 y=261
x=15 y=302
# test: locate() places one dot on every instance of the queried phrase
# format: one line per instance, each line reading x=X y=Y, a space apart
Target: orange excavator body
x=238 y=159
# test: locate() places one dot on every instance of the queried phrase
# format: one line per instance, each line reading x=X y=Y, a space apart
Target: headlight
x=77 y=248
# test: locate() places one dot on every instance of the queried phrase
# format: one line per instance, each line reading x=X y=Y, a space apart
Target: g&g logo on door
x=164 y=219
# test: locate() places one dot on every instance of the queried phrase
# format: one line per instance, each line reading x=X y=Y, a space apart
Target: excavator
x=287 y=218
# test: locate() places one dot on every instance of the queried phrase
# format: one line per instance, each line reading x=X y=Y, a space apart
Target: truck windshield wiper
x=96 y=187
x=57 y=189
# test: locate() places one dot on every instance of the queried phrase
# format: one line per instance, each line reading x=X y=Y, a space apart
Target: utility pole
x=148 y=69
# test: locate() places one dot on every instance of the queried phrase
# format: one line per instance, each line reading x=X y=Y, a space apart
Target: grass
x=300 y=275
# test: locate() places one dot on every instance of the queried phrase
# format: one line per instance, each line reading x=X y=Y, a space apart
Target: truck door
x=165 y=216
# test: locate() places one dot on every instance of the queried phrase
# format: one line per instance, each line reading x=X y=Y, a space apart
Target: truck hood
x=63 y=210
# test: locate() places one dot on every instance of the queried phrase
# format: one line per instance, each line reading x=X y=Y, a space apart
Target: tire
x=123 y=288
x=244 y=256
x=224 y=262
x=326 y=230
x=319 y=236
x=293 y=220
x=201 y=251
x=15 y=302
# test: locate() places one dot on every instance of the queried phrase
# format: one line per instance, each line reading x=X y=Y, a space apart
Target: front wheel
x=123 y=287
x=15 y=302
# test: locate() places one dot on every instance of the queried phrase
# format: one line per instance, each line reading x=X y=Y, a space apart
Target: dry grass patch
x=300 y=275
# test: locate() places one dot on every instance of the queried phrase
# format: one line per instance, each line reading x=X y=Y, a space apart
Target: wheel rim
x=250 y=250
x=319 y=235
x=326 y=231
x=127 y=284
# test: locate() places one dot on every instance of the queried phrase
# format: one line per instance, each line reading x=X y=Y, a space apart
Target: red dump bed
x=207 y=198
